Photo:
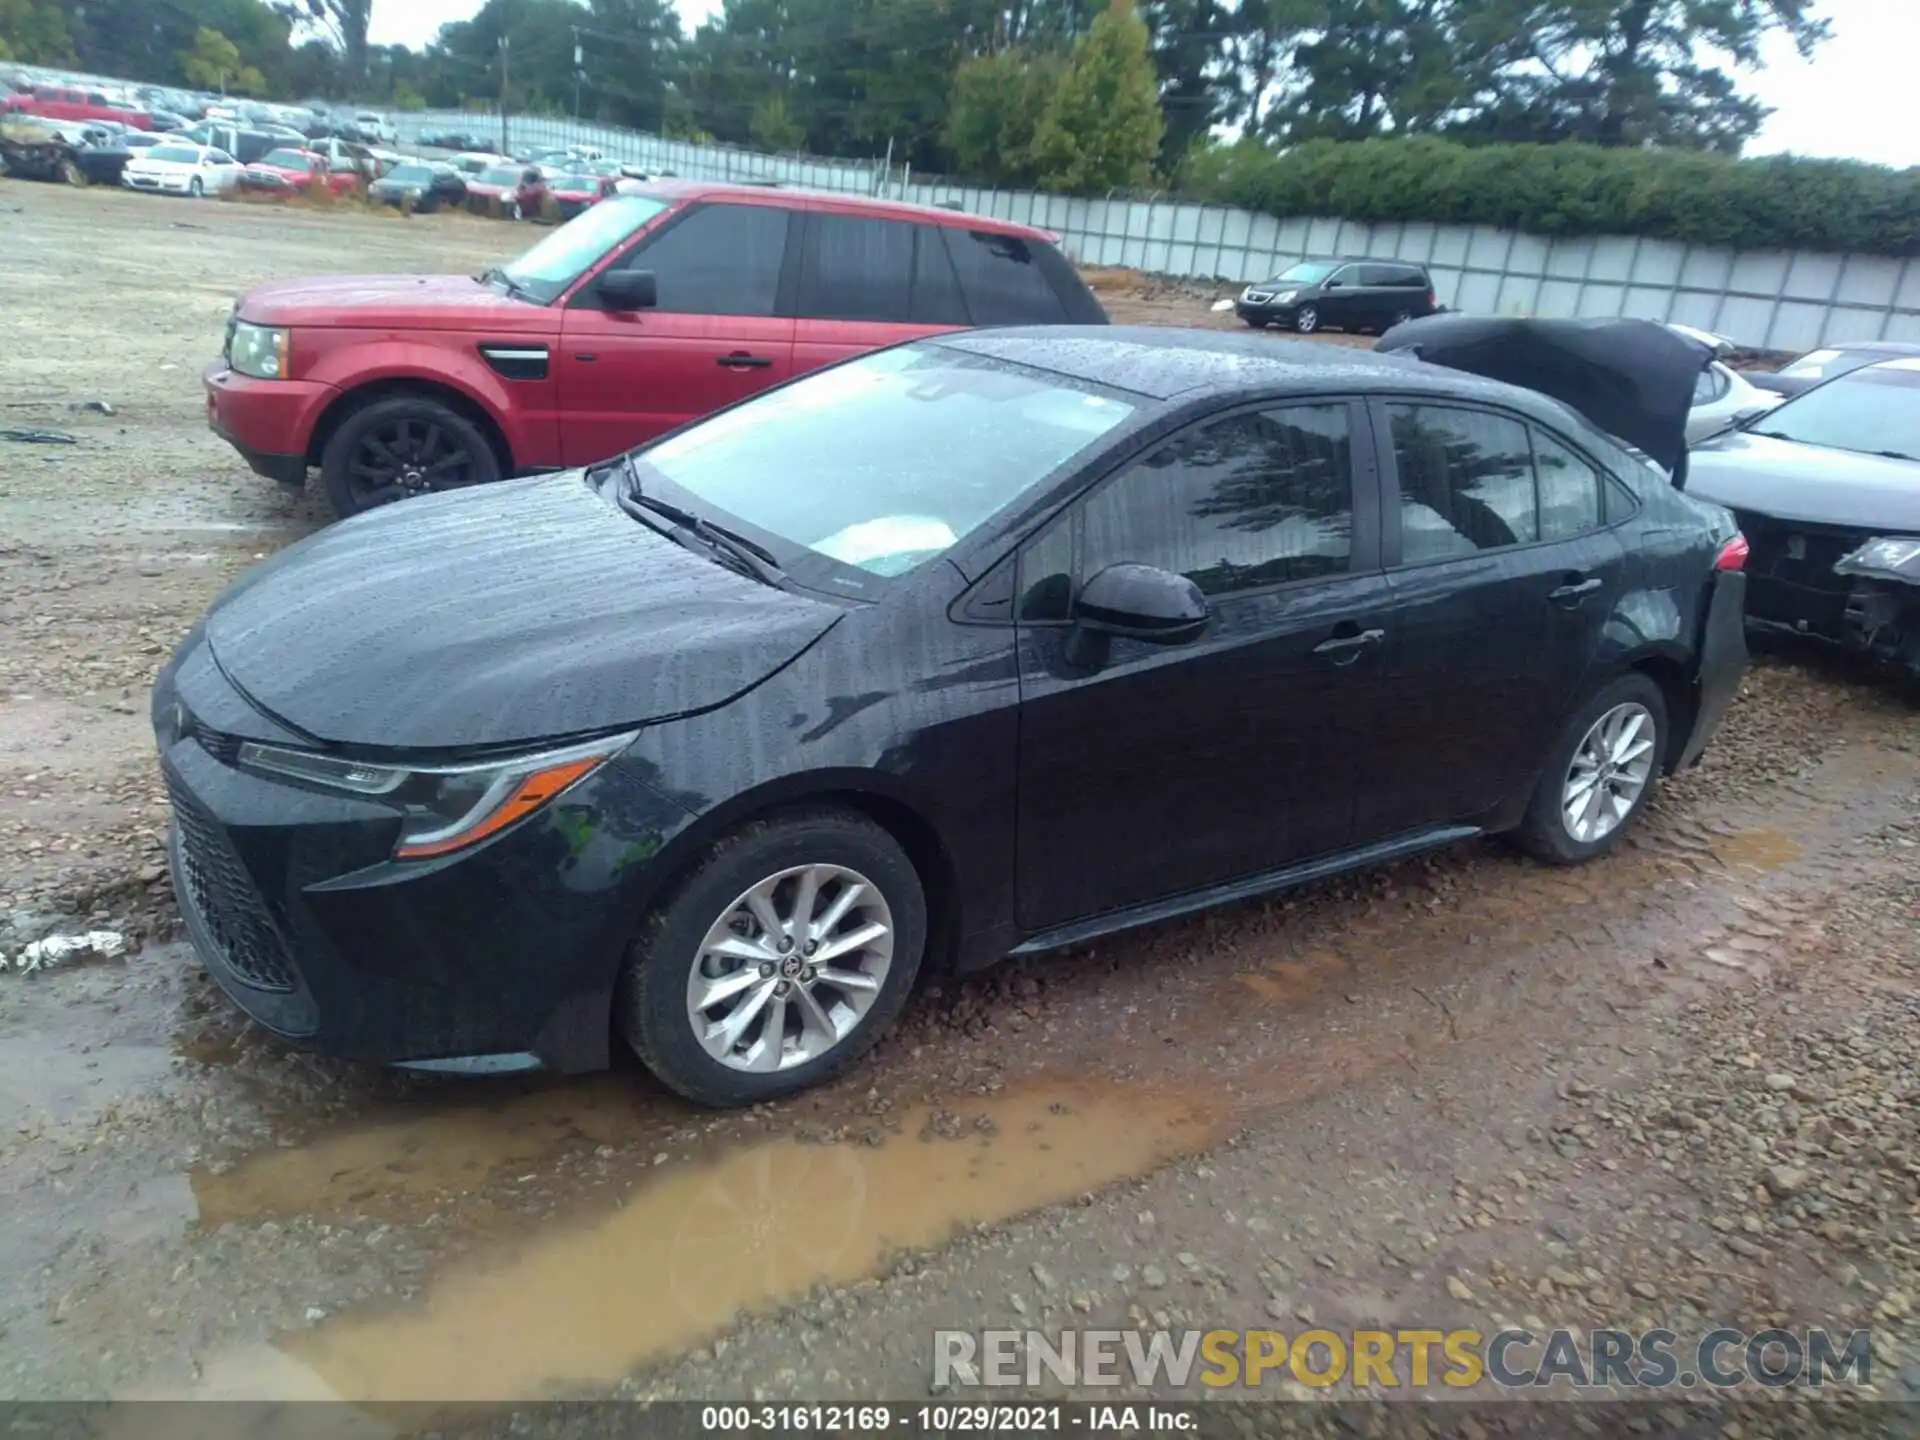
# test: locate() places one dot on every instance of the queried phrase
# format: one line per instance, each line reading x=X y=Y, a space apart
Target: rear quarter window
x=1003 y=279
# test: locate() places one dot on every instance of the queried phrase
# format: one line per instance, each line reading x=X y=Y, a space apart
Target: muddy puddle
x=580 y=1305
x=395 y=1167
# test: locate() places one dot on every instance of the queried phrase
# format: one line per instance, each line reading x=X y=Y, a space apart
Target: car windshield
x=569 y=251
x=411 y=174
x=906 y=452
x=1825 y=364
x=1310 y=272
x=287 y=160
x=501 y=175
x=1874 y=409
x=174 y=152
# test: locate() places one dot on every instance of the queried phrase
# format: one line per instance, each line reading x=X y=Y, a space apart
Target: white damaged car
x=190 y=170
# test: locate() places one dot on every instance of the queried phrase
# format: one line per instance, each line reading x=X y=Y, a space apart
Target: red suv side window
x=718 y=260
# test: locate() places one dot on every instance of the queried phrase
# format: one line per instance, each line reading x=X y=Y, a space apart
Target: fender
x=525 y=418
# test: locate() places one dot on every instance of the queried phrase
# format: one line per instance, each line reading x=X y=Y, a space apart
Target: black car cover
x=1633 y=378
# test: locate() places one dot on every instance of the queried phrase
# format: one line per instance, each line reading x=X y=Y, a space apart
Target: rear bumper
x=1723 y=660
x=270 y=422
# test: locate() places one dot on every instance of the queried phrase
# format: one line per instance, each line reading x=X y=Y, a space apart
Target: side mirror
x=1141 y=602
x=629 y=290
x=1333 y=284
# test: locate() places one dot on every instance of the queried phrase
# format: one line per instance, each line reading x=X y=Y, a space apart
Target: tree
x=1632 y=72
x=1102 y=127
x=995 y=110
x=1189 y=39
x=214 y=64
x=772 y=128
x=34 y=32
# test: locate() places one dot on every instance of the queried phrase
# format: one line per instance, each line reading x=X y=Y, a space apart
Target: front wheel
x=195 y=189
x=1306 y=320
x=401 y=447
x=1601 y=772
x=778 y=962
x=513 y=210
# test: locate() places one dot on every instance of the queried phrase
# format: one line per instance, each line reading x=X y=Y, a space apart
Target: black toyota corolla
x=987 y=643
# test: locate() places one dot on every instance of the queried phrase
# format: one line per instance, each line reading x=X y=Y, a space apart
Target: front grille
x=1800 y=557
x=228 y=902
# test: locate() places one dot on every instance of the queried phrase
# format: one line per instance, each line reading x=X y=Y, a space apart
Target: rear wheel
x=777 y=963
x=1601 y=772
x=1306 y=320
x=400 y=447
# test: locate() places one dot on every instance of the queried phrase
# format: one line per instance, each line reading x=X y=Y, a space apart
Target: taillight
x=1733 y=554
x=1433 y=299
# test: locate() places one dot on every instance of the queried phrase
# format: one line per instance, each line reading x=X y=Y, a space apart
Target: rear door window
x=1466 y=481
x=858 y=269
x=936 y=289
x=1379 y=275
x=1002 y=279
x=718 y=260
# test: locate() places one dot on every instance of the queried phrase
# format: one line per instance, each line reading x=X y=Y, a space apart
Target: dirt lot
x=1678 y=1086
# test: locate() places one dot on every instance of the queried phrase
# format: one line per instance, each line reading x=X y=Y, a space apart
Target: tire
x=655 y=1003
x=513 y=210
x=400 y=447
x=195 y=190
x=1306 y=320
x=1400 y=317
x=71 y=172
x=1545 y=833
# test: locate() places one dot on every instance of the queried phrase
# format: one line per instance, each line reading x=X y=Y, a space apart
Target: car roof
x=840 y=200
x=1877 y=347
x=1358 y=260
x=1165 y=362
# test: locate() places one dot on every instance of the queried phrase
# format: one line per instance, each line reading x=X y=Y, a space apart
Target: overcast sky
x=1844 y=102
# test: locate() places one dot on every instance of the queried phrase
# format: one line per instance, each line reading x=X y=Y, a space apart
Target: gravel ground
x=1674 y=1087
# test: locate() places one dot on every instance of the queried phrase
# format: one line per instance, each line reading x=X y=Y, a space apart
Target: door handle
x=1572 y=592
x=585 y=357
x=1345 y=649
x=741 y=360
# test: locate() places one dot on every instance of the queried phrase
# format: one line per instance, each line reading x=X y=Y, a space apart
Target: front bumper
x=1270 y=311
x=1723 y=661
x=156 y=184
x=268 y=421
x=297 y=910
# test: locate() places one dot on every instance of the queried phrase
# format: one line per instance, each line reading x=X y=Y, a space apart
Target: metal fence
x=1774 y=300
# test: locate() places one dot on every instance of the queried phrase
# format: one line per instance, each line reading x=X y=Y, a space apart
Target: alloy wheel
x=1307 y=321
x=401 y=458
x=790 y=968
x=195 y=189
x=1610 y=769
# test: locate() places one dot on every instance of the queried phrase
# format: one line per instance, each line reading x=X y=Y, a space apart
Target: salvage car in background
x=1820 y=479
x=174 y=169
x=1723 y=397
x=1808 y=370
x=297 y=172
x=496 y=190
x=420 y=186
x=646 y=312
x=1100 y=627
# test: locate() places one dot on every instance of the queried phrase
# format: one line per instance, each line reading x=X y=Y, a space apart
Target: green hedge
x=1777 y=203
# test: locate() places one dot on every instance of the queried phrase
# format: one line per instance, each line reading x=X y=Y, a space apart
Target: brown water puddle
x=585 y=1304
x=392 y=1166
x=1758 y=851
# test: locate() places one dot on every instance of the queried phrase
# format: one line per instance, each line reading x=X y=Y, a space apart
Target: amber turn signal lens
x=522 y=800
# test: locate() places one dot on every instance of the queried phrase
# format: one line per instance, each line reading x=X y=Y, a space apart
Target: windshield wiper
x=493 y=273
x=748 y=557
x=1895 y=455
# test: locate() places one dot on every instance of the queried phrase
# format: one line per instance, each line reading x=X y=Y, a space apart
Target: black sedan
x=715 y=746
x=1811 y=482
x=419 y=186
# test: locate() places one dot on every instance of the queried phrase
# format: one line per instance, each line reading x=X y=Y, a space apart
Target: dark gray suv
x=1343 y=294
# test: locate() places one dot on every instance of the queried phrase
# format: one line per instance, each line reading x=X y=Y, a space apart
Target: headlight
x=1286 y=295
x=259 y=351
x=446 y=807
x=1887 y=552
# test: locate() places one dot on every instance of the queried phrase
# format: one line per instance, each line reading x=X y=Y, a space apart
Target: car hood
x=1807 y=483
x=516 y=613
x=429 y=301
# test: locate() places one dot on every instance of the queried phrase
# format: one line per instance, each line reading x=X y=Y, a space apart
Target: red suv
x=649 y=310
